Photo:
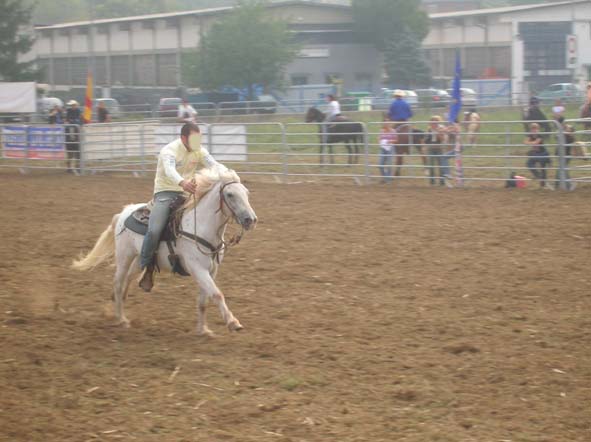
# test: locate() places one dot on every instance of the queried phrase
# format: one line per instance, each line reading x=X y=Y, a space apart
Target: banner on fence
x=33 y=142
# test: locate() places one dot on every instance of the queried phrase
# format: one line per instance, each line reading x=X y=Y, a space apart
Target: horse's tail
x=103 y=250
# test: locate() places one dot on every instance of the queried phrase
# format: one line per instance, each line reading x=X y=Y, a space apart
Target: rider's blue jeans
x=156 y=225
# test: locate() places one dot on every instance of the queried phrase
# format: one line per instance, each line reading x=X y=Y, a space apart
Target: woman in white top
x=334 y=108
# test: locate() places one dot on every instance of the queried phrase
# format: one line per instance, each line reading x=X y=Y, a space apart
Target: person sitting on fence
x=387 y=139
x=103 y=113
x=177 y=163
x=186 y=113
x=434 y=139
x=538 y=155
x=400 y=111
x=569 y=142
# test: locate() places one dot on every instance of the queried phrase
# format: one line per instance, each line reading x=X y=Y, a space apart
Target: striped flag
x=87 y=114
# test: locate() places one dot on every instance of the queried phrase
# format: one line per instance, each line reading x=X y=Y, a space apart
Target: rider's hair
x=188 y=128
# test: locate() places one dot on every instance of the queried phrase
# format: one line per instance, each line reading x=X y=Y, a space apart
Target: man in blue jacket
x=399 y=109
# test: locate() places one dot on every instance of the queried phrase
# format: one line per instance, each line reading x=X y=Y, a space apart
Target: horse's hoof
x=124 y=323
x=235 y=326
x=206 y=333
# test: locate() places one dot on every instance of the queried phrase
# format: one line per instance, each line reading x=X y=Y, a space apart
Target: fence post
x=561 y=157
x=142 y=150
x=210 y=138
x=83 y=140
x=366 y=153
x=26 y=170
x=285 y=156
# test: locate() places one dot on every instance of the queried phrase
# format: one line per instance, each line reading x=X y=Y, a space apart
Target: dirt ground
x=371 y=314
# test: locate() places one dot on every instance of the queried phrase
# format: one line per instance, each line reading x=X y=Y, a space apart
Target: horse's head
x=313 y=115
x=234 y=201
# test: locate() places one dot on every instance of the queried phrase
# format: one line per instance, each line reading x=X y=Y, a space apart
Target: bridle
x=214 y=251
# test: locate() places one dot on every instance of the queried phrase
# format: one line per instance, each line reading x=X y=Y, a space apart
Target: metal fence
x=293 y=151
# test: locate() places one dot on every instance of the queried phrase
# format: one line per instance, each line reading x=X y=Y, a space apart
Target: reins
x=214 y=251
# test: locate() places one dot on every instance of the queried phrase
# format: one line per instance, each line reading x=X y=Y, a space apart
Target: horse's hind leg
x=202 y=328
x=126 y=269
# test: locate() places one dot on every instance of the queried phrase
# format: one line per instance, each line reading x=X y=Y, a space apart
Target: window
x=124 y=27
x=166 y=69
x=333 y=78
x=61 y=71
x=144 y=70
x=172 y=23
x=148 y=24
x=299 y=79
x=120 y=69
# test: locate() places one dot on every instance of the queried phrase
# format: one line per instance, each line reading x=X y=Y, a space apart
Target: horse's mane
x=205 y=180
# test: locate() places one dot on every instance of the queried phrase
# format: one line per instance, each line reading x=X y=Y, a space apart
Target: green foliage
x=379 y=22
x=243 y=49
x=13 y=41
x=405 y=63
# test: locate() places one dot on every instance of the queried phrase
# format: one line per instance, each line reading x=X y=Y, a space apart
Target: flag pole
x=454 y=112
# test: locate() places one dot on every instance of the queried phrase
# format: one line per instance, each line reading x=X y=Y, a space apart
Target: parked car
x=469 y=96
x=433 y=97
x=567 y=92
x=112 y=106
x=169 y=107
x=46 y=104
x=265 y=104
x=384 y=100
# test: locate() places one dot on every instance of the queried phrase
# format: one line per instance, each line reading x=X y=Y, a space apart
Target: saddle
x=138 y=222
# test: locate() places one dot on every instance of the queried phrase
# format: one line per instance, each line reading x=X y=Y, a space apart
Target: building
x=142 y=55
x=528 y=44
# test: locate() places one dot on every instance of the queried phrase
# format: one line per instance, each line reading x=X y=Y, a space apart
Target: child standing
x=387 y=140
x=434 y=138
x=538 y=155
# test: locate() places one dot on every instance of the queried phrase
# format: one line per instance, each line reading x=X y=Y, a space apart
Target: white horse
x=200 y=247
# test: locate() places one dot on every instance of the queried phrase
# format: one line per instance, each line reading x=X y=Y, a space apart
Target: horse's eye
x=230 y=195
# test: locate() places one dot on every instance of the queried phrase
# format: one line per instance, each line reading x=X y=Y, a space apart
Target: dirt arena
x=371 y=314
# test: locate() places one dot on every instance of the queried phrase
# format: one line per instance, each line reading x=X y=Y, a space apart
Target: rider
x=177 y=163
x=400 y=113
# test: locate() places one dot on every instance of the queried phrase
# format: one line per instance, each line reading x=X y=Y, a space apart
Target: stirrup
x=147 y=280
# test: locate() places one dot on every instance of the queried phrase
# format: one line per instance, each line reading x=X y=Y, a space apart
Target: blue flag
x=456 y=97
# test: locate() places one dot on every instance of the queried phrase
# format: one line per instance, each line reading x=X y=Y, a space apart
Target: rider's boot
x=147 y=280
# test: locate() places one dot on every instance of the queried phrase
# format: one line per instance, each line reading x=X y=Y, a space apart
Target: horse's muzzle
x=248 y=222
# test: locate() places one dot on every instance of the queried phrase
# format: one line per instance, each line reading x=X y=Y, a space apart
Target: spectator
x=585 y=111
x=56 y=115
x=538 y=155
x=471 y=125
x=103 y=113
x=452 y=133
x=534 y=113
x=434 y=139
x=558 y=109
x=72 y=128
x=73 y=113
x=387 y=139
x=186 y=113
x=569 y=141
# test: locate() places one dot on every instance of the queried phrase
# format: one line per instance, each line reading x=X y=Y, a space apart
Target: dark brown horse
x=341 y=130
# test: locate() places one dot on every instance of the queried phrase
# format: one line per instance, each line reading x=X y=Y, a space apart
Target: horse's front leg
x=209 y=289
x=350 y=151
x=398 y=161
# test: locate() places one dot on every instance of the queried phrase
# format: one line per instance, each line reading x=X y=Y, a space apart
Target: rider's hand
x=188 y=186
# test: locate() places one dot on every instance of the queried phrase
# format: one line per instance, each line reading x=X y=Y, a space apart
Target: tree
x=14 y=40
x=244 y=49
x=396 y=28
x=380 y=22
x=405 y=63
